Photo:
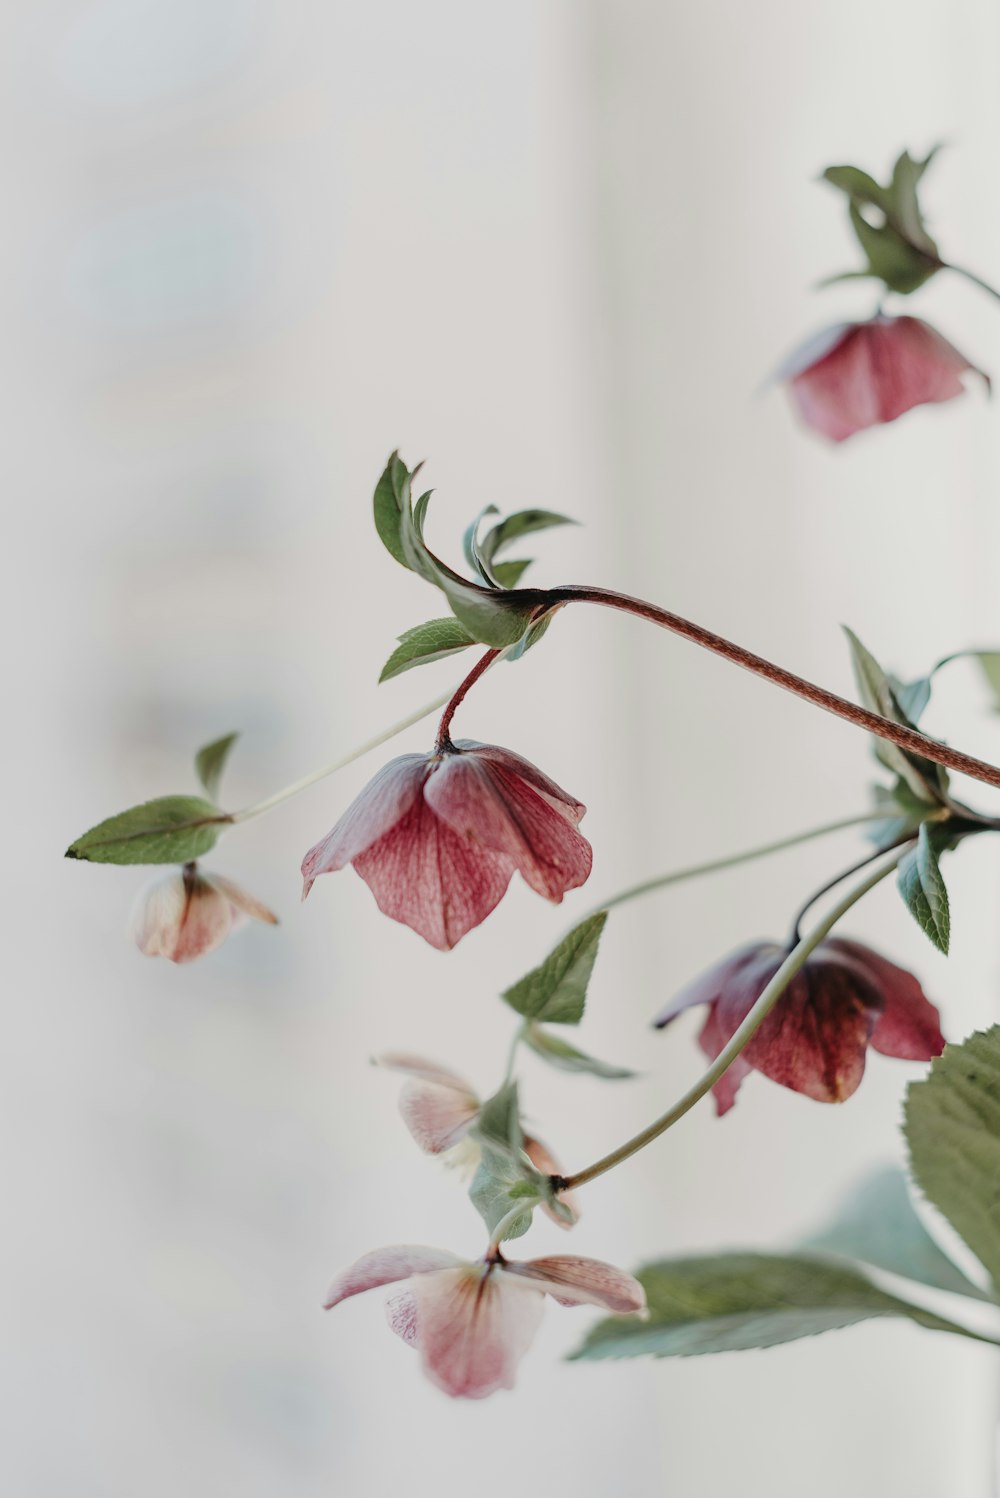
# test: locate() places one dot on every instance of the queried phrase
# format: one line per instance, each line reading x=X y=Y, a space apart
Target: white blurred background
x=553 y=248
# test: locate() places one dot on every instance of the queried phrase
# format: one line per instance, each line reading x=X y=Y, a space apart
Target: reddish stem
x=443 y=740
x=883 y=728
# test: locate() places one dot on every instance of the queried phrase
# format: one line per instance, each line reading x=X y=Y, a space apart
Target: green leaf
x=497 y=1186
x=902 y=266
x=896 y=244
x=171 y=829
x=923 y=888
x=926 y=779
x=912 y=696
x=904 y=813
x=425 y=643
x=989 y=664
x=733 y=1301
x=858 y=185
x=498 y=1124
x=565 y=1057
x=493 y=617
x=509 y=574
x=391 y=493
x=521 y=523
x=876 y=1223
x=531 y=636
x=557 y=991
x=906 y=175
x=210 y=762
x=953 y=1131
x=471 y=547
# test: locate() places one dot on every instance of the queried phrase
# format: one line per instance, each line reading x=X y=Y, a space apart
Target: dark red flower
x=815 y=1039
x=858 y=375
x=436 y=837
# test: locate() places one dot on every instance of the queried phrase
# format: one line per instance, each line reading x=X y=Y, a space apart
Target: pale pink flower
x=436 y=837
x=858 y=375
x=473 y=1323
x=188 y=913
x=439 y=1108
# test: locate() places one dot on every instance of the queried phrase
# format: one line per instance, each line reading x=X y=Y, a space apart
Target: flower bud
x=188 y=913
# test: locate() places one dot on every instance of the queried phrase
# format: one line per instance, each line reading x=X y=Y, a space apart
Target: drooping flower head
x=857 y=375
x=436 y=837
x=189 y=913
x=440 y=1108
x=473 y=1322
x=816 y=1037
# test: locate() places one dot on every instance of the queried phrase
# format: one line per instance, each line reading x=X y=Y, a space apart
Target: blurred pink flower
x=439 y=1108
x=473 y=1323
x=436 y=837
x=858 y=375
x=188 y=913
x=816 y=1037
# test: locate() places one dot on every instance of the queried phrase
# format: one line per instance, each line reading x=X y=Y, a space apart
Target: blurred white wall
x=251 y=247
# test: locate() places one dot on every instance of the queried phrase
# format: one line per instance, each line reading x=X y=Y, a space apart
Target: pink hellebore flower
x=473 y=1323
x=439 y=1108
x=188 y=913
x=815 y=1039
x=859 y=375
x=436 y=837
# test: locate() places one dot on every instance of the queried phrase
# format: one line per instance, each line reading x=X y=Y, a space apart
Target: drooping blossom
x=816 y=1037
x=473 y=1322
x=436 y=837
x=858 y=375
x=439 y=1108
x=189 y=913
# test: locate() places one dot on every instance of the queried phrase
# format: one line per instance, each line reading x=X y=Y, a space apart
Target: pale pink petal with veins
x=473 y=1329
x=385 y=800
x=383 y=1266
x=574 y=1281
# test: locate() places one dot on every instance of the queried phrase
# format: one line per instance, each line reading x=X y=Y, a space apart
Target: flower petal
x=384 y=802
x=385 y=1265
x=489 y=806
x=706 y=988
x=515 y=764
x=437 y=1117
x=712 y=1040
x=427 y=1071
x=473 y=1329
x=244 y=902
x=423 y=874
x=582 y=1282
x=401 y=1314
x=181 y=917
x=909 y=1026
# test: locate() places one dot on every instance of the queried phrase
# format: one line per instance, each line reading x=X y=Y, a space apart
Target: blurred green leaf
x=425 y=643
x=922 y=887
x=733 y=1301
x=499 y=1183
x=952 y=1128
x=926 y=780
x=989 y=664
x=210 y=762
x=565 y=1057
x=557 y=990
x=171 y=829
x=499 y=1122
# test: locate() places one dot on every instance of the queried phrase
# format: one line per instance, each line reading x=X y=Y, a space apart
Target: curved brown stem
x=443 y=734
x=883 y=728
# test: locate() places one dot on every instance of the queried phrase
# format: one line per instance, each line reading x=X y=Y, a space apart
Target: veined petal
x=383 y=803
x=909 y=1026
x=382 y=1266
x=427 y=1071
x=712 y=1040
x=489 y=806
x=574 y=1281
x=437 y=1116
x=515 y=764
x=401 y=1314
x=473 y=1328
x=706 y=988
x=181 y=917
x=244 y=902
x=423 y=874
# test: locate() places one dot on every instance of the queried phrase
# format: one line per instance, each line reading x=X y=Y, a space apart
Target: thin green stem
x=716 y=865
x=792 y=964
x=970 y=275
x=286 y=794
x=516 y=1039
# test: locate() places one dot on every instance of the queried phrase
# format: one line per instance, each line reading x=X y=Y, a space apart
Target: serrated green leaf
x=877 y=1224
x=734 y=1301
x=497 y=1186
x=952 y=1128
x=989 y=664
x=171 y=829
x=922 y=887
x=425 y=643
x=565 y=1057
x=925 y=779
x=498 y=1123
x=210 y=762
x=557 y=990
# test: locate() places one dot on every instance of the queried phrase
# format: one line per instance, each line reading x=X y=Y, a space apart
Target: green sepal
x=210 y=762
x=876 y=1223
x=557 y=990
x=734 y=1301
x=922 y=886
x=952 y=1128
x=171 y=829
x=499 y=1183
x=565 y=1057
x=424 y=643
